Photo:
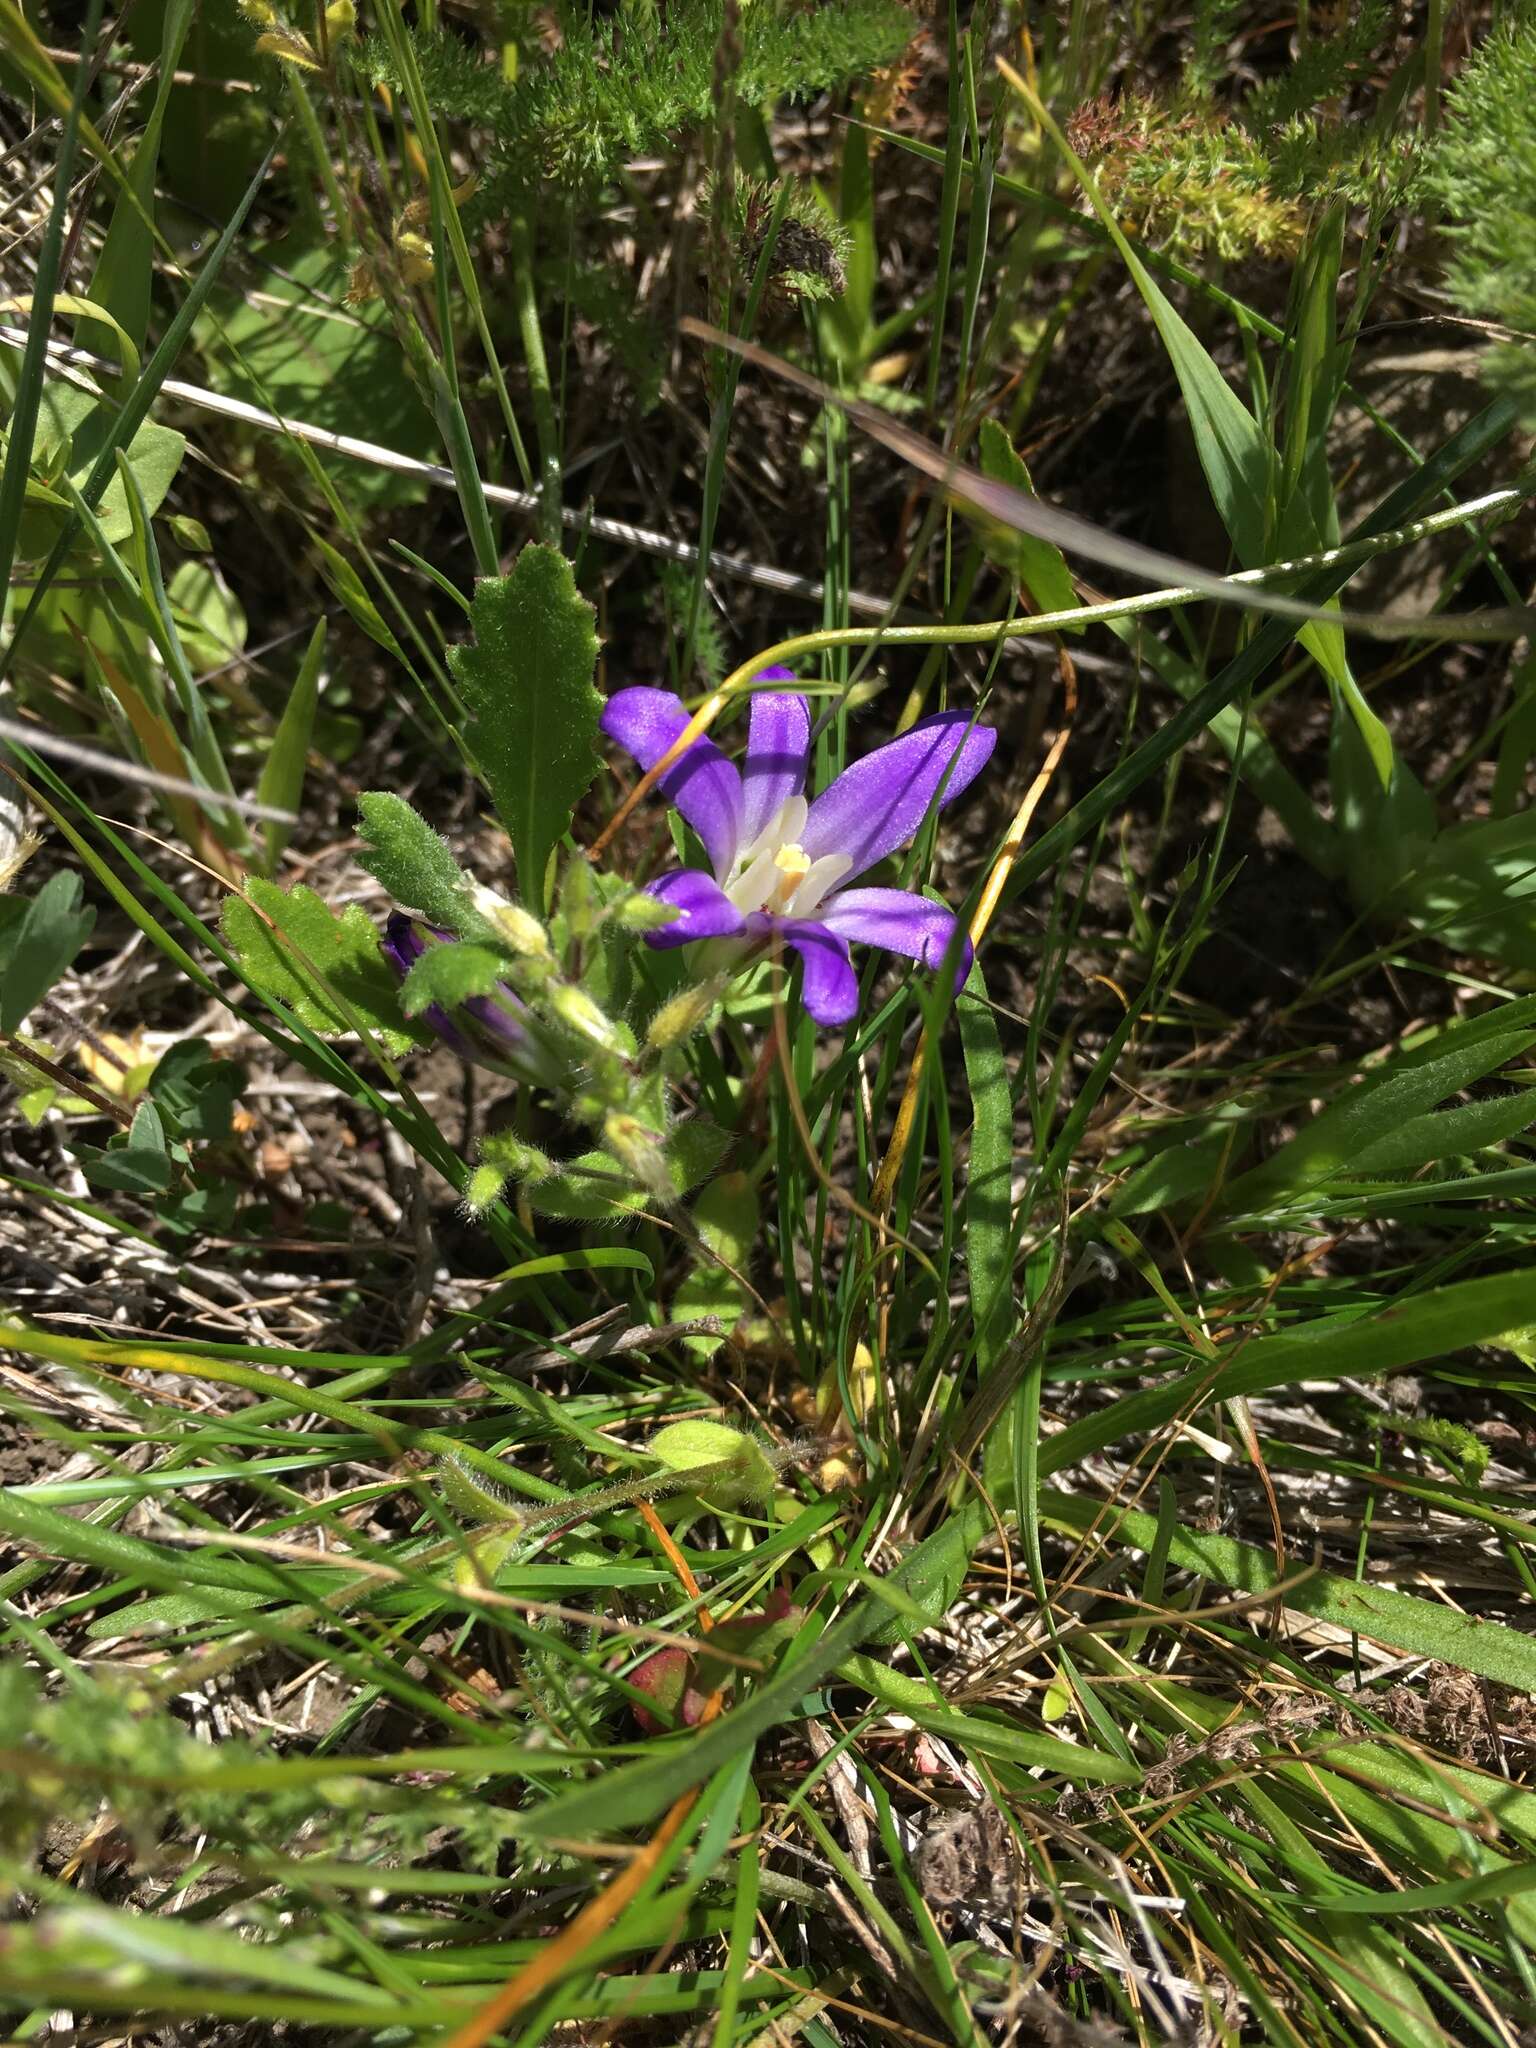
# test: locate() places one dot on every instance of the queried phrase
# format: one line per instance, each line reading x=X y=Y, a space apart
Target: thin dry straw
x=79 y=756
x=619 y=531
x=1007 y=506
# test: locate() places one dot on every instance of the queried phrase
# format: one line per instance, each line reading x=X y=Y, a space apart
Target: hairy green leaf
x=527 y=679
x=293 y=949
x=414 y=863
x=726 y=1218
x=450 y=974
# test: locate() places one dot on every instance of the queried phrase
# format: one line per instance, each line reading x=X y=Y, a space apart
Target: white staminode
x=774 y=873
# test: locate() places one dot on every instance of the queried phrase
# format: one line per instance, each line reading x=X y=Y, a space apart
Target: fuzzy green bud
x=482 y=1191
x=503 y=1157
x=577 y=1012
x=642 y=913
x=580 y=904
x=635 y=1144
x=515 y=1157
x=682 y=1445
x=609 y=1087
x=676 y=1021
x=518 y=929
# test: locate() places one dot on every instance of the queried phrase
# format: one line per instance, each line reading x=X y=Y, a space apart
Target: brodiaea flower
x=782 y=865
x=489 y=1030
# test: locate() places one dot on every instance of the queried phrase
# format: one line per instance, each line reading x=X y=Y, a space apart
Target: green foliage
x=1462 y=1452
x=441 y=1527
x=1325 y=68
x=709 y=643
x=1213 y=25
x=1183 y=172
x=989 y=1184
x=414 y=863
x=296 y=345
x=1484 y=176
x=450 y=975
x=282 y=774
x=137 y=1163
x=97 y=1739
x=726 y=1216
x=189 y=1103
x=1040 y=567
x=684 y=1445
x=196 y=1091
x=527 y=680
x=640 y=78
x=1469 y=885
x=328 y=970
x=808 y=262
x=71 y=430
x=1385 y=1121
x=125 y=268
x=39 y=937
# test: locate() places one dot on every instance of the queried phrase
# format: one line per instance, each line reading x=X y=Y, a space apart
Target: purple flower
x=487 y=1031
x=782 y=865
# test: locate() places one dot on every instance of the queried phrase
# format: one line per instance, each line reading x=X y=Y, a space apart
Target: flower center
x=774 y=873
x=793 y=864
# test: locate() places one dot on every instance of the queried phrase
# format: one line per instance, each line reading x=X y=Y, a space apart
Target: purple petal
x=701 y=783
x=879 y=803
x=405 y=940
x=706 y=911
x=482 y=1029
x=829 y=986
x=403 y=944
x=497 y=1018
x=778 y=753
x=901 y=922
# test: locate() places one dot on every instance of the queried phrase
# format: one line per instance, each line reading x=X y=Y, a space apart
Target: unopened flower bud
x=489 y=1030
x=580 y=904
x=518 y=929
x=577 y=1012
x=515 y=1157
x=503 y=1157
x=642 y=912
x=832 y=1411
x=676 y=1021
x=482 y=1191
x=635 y=1145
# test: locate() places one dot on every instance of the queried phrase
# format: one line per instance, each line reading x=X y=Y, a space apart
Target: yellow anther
x=793 y=864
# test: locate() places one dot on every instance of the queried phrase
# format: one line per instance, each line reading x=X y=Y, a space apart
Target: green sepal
x=451 y=974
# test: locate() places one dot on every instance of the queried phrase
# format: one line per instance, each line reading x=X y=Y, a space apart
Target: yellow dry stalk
x=991 y=895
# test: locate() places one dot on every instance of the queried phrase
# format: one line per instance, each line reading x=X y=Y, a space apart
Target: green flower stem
x=1031 y=625
x=540 y=389
x=299 y=100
